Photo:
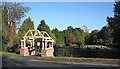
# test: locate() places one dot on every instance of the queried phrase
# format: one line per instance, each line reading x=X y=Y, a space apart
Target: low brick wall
x=47 y=52
x=24 y=52
x=27 y=51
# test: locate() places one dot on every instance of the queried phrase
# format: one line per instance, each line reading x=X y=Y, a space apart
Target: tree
x=70 y=38
x=26 y=25
x=86 y=34
x=78 y=38
x=5 y=25
x=56 y=32
x=59 y=36
x=65 y=32
x=105 y=36
x=43 y=27
x=94 y=36
x=82 y=36
x=12 y=13
x=70 y=29
x=114 y=23
x=87 y=37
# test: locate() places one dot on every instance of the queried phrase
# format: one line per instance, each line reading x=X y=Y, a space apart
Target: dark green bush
x=15 y=47
x=86 y=52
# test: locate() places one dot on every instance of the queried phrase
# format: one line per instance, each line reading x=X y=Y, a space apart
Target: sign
x=38 y=43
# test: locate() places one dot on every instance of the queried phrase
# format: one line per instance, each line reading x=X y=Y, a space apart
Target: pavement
x=35 y=61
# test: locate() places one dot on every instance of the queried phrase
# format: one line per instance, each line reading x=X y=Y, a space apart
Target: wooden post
x=52 y=44
x=33 y=41
x=24 y=42
x=42 y=44
x=45 y=44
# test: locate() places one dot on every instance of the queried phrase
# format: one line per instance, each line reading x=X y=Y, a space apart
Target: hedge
x=86 y=52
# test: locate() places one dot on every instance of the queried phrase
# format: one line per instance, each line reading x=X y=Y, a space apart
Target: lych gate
x=30 y=36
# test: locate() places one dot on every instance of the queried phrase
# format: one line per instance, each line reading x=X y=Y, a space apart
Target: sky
x=76 y=14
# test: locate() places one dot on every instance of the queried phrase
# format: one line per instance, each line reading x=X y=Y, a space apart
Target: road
x=33 y=61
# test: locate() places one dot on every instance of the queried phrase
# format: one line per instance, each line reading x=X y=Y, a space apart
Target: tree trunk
x=12 y=35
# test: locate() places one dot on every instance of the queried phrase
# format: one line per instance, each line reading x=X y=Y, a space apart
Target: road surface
x=33 y=61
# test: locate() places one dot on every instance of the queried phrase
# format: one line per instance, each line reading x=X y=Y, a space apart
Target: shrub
x=87 y=52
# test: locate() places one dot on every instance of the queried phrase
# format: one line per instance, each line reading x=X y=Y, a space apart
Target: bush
x=87 y=52
x=15 y=47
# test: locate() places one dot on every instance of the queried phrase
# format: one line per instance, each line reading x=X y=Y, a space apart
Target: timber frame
x=31 y=35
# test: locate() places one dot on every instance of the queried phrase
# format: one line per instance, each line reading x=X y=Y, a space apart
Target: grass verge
x=8 y=54
x=83 y=59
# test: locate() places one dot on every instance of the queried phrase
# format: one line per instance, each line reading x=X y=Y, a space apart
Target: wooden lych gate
x=46 y=43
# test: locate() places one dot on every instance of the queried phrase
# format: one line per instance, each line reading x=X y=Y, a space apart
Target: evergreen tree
x=114 y=23
x=44 y=27
x=105 y=36
x=26 y=25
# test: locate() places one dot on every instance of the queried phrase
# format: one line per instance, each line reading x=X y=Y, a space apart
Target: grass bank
x=82 y=59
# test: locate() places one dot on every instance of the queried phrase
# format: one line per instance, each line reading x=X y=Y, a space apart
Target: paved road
x=40 y=62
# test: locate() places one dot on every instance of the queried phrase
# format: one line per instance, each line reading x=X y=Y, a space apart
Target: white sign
x=38 y=43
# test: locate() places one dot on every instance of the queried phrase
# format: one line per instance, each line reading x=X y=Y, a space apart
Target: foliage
x=26 y=25
x=70 y=38
x=114 y=23
x=81 y=37
x=12 y=12
x=87 y=37
x=59 y=36
x=73 y=36
x=5 y=26
x=16 y=43
x=86 y=52
x=105 y=36
x=94 y=36
x=43 y=27
x=4 y=42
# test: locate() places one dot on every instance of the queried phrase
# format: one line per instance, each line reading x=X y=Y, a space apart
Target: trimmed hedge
x=86 y=52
